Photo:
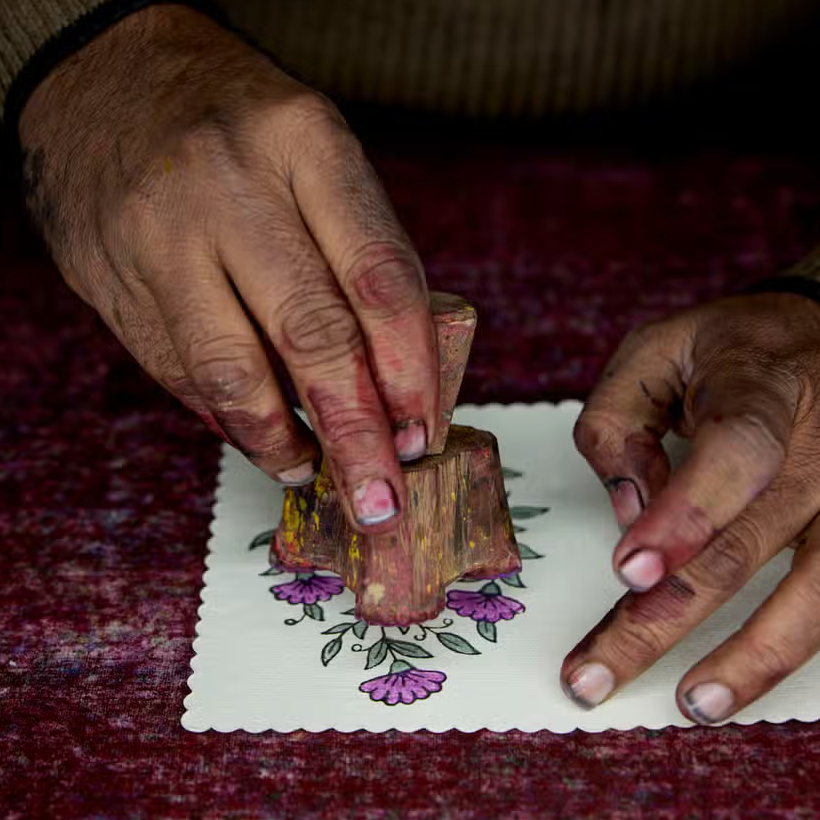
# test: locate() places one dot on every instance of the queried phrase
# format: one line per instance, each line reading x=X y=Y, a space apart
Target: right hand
x=201 y=201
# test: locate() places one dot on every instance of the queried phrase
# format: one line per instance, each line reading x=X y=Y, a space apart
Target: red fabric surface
x=106 y=488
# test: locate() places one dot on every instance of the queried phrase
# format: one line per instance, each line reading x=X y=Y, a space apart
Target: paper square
x=254 y=671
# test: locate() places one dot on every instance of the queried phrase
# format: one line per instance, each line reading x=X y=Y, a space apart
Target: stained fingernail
x=626 y=500
x=590 y=684
x=374 y=502
x=709 y=702
x=298 y=476
x=642 y=570
x=411 y=440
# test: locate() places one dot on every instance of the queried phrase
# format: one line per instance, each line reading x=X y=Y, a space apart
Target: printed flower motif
x=308 y=589
x=488 y=604
x=403 y=684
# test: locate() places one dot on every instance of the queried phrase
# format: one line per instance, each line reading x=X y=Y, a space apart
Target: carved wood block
x=457 y=524
x=455 y=326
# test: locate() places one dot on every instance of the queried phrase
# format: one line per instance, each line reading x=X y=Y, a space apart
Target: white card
x=283 y=652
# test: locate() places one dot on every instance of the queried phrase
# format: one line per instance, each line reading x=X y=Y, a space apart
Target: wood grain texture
x=457 y=524
x=455 y=321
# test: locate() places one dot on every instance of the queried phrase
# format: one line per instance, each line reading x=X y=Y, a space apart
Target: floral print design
x=488 y=604
x=404 y=683
x=308 y=588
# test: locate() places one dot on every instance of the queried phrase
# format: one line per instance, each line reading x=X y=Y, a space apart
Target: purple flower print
x=403 y=684
x=488 y=604
x=308 y=589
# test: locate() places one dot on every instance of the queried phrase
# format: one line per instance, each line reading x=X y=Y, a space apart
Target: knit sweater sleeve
x=36 y=35
x=26 y=26
x=802 y=278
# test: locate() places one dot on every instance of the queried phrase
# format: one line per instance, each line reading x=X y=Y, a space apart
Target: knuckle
x=666 y=337
x=595 y=433
x=771 y=661
x=644 y=333
x=387 y=279
x=277 y=446
x=726 y=563
x=318 y=333
x=342 y=426
x=757 y=435
x=226 y=371
x=310 y=122
x=310 y=108
x=634 y=645
x=216 y=138
x=346 y=425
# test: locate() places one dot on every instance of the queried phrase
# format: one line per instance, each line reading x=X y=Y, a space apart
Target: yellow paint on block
x=322 y=484
x=167 y=165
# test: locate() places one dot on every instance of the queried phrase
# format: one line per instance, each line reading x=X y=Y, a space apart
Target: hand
x=202 y=201
x=741 y=378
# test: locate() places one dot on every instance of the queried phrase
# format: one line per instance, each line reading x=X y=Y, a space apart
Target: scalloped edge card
x=285 y=652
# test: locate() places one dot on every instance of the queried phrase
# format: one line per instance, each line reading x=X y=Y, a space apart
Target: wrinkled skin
x=741 y=378
x=204 y=203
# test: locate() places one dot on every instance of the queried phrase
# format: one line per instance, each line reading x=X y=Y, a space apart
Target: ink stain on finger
x=667 y=602
x=627 y=500
x=583 y=648
x=615 y=484
x=655 y=401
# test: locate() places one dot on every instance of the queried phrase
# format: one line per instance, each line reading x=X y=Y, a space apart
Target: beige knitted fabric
x=484 y=57
x=25 y=25
x=513 y=57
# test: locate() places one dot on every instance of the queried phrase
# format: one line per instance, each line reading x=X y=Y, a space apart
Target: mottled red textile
x=106 y=488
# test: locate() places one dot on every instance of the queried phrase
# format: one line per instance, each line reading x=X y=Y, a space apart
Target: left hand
x=741 y=378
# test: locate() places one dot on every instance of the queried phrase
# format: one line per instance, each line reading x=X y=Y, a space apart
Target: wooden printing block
x=456 y=522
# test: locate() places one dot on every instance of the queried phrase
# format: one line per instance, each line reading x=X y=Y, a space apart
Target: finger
x=225 y=364
x=133 y=316
x=353 y=224
x=778 y=639
x=642 y=627
x=620 y=429
x=742 y=422
x=287 y=286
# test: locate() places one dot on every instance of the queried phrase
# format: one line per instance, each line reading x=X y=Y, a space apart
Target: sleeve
x=802 y=279
x=36 y=35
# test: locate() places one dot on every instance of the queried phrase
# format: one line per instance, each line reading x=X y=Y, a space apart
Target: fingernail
x=590 y=684
x=626 y=500
x=298 y=476
x=374 y=502
x=642 y=570
x=709 y=702
x=411 y=440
